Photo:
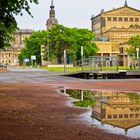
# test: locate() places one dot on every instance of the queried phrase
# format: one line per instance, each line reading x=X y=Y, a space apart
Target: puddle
x=117 y=112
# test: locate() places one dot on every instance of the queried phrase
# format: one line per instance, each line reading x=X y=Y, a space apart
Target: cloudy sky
x=70 y=13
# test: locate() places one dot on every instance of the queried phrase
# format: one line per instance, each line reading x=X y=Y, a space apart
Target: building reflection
x=117 y=109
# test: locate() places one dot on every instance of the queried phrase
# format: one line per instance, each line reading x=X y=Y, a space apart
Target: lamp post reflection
x=82 y=95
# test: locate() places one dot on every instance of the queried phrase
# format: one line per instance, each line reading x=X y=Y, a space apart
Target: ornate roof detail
x=52 y=20
x=125 y=4
x=52 y=6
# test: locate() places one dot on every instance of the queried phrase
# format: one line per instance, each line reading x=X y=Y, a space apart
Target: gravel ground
x=39 y=112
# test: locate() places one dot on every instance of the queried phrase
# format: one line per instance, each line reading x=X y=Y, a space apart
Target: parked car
x=3 y=65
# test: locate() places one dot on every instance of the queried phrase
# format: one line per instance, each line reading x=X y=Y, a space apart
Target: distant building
x=114 y=28
x=52 y=20
x=10 y=55
x=19 y=37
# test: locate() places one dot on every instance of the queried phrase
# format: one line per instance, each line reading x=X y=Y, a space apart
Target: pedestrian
x=134 y=65
x=130 y=66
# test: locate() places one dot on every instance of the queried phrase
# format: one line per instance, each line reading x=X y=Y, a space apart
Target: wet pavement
x=38 y=75
x=116 y=112
x=33 y=75
x=52 y=117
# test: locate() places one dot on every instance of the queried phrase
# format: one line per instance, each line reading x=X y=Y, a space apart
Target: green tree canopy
x=134 y=41
x=33 y=46
x=85 y=38
x=71 y=39
x=58 y=39
x=8 y=9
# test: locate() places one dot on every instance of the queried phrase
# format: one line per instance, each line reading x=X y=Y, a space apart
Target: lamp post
x=64 y=61
x=82 y=95
x=42 y=49
x=82 y=57
x=137 y=49
x=138 y=60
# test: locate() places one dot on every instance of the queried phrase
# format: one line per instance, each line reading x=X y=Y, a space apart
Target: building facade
x=9 y=56
x=114 y=28
x=52 y=21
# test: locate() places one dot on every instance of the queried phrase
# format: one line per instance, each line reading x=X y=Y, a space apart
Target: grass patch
x=87 y=68
x=135 y=98
x=85 y=103
x=88 y=98
x=54 y=69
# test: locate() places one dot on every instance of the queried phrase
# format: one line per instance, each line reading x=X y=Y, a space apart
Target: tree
x=85 y=38
x=33 y=46
x=8 y=9
x=134 y=41
x=58 y=39
x=71 y=39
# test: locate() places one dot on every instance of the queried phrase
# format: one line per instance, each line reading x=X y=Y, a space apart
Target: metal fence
x=99 y=63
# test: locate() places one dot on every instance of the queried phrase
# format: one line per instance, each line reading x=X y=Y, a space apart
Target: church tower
x=52 y=20
x=125 y=4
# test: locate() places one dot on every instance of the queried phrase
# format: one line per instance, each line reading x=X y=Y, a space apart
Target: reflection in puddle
x=83 y=98
x=115 y=111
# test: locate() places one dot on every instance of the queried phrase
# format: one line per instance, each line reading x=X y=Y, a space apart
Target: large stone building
x=10 y=55
x=52 y=21
x=114 y=28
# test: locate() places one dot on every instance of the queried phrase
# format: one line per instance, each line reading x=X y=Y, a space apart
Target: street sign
x=26 y=60
x=33 y=57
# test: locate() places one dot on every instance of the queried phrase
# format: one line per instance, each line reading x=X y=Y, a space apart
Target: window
x=125 y=115
x=120 y=116
x=114 y=18
x=121 y=49
x=131 y=115
x=125 y=19
x=114 y=116
x=131 y=19
x=120 y=18
x=109 y=116
x=109 y=18
x=136 y=19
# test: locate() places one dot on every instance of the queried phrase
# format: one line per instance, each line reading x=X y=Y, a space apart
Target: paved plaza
x=38 y=75
x=33 y=75
x=30 y=103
